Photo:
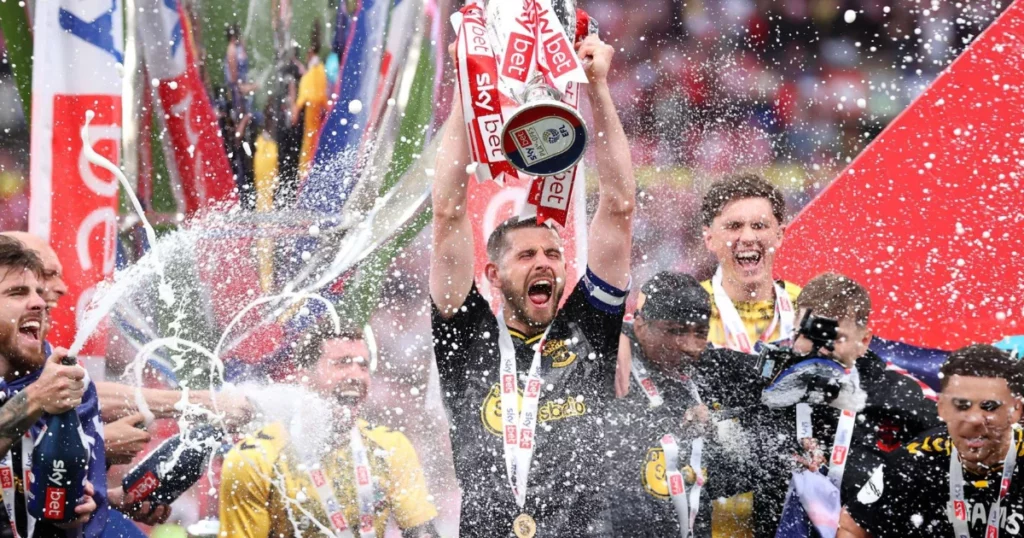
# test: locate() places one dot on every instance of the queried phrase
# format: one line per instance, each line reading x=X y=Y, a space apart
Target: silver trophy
x=545 y=135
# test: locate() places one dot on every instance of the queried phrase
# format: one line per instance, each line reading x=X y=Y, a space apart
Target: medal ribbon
x=840 y=443
x=364 y=491
x=477 y=74
x=518 y=426
x=958 y=517
x=696 y=454
x=7 y=482
x=736 y=337
x=676 y=484
x=686 y=510
x=643 y=378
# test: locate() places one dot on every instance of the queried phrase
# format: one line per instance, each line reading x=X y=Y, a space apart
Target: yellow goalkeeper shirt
x=264 y=494
x=756 y=316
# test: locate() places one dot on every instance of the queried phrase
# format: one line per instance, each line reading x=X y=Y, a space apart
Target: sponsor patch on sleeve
x=872 y=490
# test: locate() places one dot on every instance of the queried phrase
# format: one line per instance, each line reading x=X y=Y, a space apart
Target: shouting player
x=531 y=472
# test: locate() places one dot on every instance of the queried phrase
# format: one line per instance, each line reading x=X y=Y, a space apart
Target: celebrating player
x=510 y=469
x=958 y=479
x=369 y=475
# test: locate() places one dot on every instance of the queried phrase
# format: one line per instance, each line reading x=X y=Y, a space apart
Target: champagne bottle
x=173 y=467
x=60 y=464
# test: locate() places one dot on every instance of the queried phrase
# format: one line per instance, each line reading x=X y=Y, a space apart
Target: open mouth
x=748 y=259
x=976 y=443
x=30 y=330
x=540 y=291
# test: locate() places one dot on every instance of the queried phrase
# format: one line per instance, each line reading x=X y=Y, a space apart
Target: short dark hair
x=497 y=243
x=15 y=255
x=835 y=296
x=677 y=297
x=311 y=345
x=231 y=31
x=737 y=188
x=983 y=360
x=315 y=41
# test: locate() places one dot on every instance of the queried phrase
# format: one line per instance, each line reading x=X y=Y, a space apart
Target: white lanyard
x=7 y=482
x=364 y=491
x=519 y=426
x=686 y=510
x=840 y=444
x=671 y=449
x=696 y=454
x=643 y=378
x=676 y=485
x=959 y=516
x=736 y=337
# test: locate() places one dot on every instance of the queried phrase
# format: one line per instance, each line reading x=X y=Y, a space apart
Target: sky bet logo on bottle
x=56 y=494
x=55 y=503
x=142 y=488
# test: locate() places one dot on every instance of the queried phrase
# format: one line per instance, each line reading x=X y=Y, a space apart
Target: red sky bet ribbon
x=556 y=56
x=551 y=194
x=477 y=74
x=517 y=42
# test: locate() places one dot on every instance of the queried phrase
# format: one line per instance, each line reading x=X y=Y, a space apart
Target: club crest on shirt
x=652 y=474
x=559 y=352
x=547 y=411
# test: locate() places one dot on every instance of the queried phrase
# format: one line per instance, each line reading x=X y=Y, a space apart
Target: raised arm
x=58 y=389
x=451 y=258
x=610 y=239
x=118 y=401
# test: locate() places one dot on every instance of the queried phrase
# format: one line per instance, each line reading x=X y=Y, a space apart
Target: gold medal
x=524 y=526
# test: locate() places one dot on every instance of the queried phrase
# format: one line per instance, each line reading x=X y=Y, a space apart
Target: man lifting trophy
x=527 y=389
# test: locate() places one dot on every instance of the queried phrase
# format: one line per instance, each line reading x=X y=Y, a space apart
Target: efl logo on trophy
x=544 y=136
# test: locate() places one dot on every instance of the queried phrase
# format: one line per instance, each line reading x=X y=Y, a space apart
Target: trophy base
x=544 y=138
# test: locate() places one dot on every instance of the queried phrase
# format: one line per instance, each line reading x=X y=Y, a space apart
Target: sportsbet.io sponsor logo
x=549 y=411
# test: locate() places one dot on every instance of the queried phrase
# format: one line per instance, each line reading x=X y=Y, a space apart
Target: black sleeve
x=885 y=505
x=861 y=464
x=452 y=337
x=912 y=409
x=598 y=307
x=729 y=379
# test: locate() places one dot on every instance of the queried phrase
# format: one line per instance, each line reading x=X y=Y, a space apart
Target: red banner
x=73 y=203
x=199 y=160
x=930 y=217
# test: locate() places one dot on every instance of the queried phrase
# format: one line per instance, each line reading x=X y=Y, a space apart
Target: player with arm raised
x=565 y=358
